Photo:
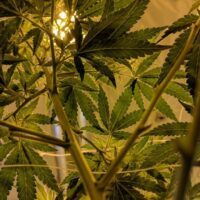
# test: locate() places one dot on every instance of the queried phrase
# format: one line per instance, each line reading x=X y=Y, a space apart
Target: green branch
x=43 y=136
x=54 y=63
x=81 y=163
x=158 y=92
x=27 y=100
x=52 y=141
x=188 y=145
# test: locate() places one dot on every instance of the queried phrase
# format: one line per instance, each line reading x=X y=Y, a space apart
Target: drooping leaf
x=10 y=59
x=10 y=73
x=122 y=49
x=6 y=100
x=138 y=97
x=102 y=68
x=103 y=107
x=173 y=54
x=33 y=78
x=4 y=131
x=120 y=135
x=117 y=23
x=192 y=66
x=179 y=92
x=181 y=24
x=146 y=63
x=79 y=66
x=128 y=120
x=87 y=106
x=39 y=119
x=121 y=106
x=78 y=34
x=144 y=34
x=37 y=39
x=170 y=129
x=44 y=174
x=167 y=155
x=108 y=8
x=25 y=111
x=5 y=149
x=195 y=5
x=25 y=179
x=161 y=105
x=7 y=175
x=40 y=146
x=94 y=130
x=71 y=108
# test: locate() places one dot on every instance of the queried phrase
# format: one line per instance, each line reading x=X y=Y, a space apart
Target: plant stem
x=158 y=92
x=52 y=141
x=54 y=63
x=43 y=136
x=27 y=100
x=81 y=163
x=188 y=146
x=83 y=167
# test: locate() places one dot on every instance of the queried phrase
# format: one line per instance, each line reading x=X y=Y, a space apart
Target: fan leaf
x=170 y=129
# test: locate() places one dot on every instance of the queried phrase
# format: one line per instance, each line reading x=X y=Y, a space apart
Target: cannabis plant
x=87 y=56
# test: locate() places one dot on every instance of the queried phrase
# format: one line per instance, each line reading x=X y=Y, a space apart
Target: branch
x=39 y=139
x=188 y=147
x=158 y=92
x=42 y=136
x=27 y=100
x=54 y=63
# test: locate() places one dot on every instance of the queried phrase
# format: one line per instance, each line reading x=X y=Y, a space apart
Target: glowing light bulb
x=55 y=31
x=62 y=35
x=72 y=18
x=63 y=15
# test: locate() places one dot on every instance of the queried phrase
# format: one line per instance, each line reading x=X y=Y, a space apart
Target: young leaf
x=10 y=73
x=128 y=120
x=170 y=129
x=121 y=107
x=87 y=107
x=103 y=107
